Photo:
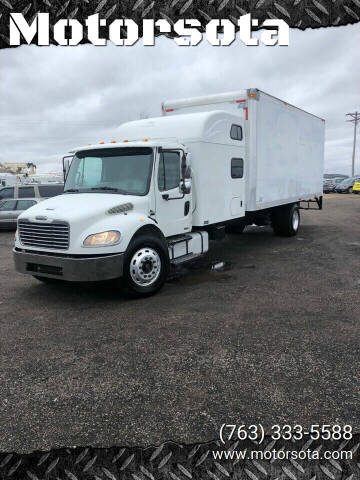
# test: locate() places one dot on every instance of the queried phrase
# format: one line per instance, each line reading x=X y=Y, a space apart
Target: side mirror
x=183 y=166
x=66 y=165
x=186 y=186
x=188 y=159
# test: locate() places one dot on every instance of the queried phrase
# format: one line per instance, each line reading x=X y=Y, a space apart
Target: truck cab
x=126 y=212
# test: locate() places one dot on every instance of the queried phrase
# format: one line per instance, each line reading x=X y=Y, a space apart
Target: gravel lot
x=271 y=338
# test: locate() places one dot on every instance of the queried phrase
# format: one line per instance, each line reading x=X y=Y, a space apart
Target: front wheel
x=286 y=220
x=146 y=266
x=350 y=190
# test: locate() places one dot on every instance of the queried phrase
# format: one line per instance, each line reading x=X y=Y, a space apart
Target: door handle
x=186 y=208
x=165 y=196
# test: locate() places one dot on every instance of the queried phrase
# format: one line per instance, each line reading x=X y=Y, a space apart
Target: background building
x=18 y=168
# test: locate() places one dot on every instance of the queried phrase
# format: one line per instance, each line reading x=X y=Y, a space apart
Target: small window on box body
x=236 y=132
x=237 y=168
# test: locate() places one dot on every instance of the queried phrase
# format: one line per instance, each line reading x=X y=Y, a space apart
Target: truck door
x=236 y=174
x=237 y=205
x=173 y=208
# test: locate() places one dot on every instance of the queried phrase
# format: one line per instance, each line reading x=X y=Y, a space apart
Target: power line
x=355 y=119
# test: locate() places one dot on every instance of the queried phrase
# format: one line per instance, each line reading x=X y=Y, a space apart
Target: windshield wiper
x=71 y=190
x=113 y=189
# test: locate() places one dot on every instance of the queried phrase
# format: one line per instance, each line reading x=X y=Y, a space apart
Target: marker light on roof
x=113 y=141
x=145 y=140
x=126 y=141
x=102 y=143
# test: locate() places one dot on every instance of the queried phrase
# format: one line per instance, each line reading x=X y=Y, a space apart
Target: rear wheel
x=350 y=190
x=146 y=266
x=285 y=220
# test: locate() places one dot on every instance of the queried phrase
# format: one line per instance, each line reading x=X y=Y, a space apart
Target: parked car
x=346 y=186
x=329 y=176
x=356 y=187
x=11 y=209
x=330 y=184
x=42 y=190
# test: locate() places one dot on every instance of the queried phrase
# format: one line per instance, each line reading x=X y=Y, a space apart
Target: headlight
x=112 y=237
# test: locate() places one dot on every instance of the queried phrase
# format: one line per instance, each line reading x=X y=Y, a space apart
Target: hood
x=72 y=207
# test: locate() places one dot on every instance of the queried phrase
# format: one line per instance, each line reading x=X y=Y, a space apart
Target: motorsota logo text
x=125 y=32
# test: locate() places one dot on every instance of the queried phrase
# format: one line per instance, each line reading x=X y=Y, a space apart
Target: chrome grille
x=46 y=235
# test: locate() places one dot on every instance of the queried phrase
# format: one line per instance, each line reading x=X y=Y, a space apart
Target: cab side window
x=49 y=191
x=169 y=171
x=8 y=205
x=26 y=192
x=24 y=204
x=7 y=192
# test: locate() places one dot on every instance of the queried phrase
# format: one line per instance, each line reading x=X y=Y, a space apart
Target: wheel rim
x=295 y=220
x=145 y=267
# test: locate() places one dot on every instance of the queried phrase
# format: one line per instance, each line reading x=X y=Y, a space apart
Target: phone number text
x=256 y=432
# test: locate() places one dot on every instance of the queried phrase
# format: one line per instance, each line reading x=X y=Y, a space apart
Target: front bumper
x=73 y=269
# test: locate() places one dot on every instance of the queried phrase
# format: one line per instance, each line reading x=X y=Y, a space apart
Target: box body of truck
x=284 y=145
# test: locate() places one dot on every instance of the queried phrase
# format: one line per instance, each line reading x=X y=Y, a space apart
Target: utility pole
x=355 y=119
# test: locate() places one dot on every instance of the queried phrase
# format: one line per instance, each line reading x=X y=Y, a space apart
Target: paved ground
x=272 y=338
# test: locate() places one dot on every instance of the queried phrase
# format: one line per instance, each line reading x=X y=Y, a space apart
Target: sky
x=53 y=99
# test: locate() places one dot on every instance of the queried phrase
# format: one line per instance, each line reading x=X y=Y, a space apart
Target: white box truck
x=153 y=198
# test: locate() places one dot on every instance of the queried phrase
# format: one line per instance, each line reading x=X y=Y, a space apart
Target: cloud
x=55 y=98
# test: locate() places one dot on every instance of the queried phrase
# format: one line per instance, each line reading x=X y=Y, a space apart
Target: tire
x=150 y=252
x=46 y=279
x=237 y=228
x=285 y=220
x=350 y=190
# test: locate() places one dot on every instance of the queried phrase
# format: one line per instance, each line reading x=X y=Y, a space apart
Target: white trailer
x=136 y=206
x=284 y=145
x=7 y=179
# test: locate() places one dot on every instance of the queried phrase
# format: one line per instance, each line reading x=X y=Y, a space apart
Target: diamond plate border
x=180 y=462
x=297 y=13
x=170 y=460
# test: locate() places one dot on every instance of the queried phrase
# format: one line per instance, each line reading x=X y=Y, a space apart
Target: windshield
x=125 y=170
